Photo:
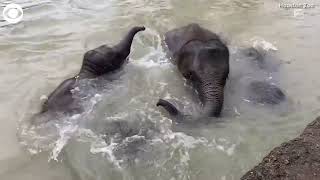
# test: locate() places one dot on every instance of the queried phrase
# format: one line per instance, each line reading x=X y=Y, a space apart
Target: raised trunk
x=125 y=44
x=104 y=59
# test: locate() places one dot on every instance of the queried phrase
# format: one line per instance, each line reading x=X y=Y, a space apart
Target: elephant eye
x=186 y=54
x=213 y=52
x=209 y=53
x=188 y=75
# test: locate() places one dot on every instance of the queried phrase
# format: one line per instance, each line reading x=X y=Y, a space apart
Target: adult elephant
x=97 y=62
x=203 y=59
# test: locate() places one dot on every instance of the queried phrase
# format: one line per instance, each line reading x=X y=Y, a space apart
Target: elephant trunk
x=125 y=44
x=211 y=93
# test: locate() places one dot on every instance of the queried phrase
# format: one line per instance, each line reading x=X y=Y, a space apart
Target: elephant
x=97 y=62
x=203 y=59
x=261 y=91
x=265 y=93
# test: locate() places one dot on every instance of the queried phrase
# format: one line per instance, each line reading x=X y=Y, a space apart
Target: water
x=47 y=47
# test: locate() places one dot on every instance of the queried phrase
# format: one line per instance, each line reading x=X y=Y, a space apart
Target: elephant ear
x=177 y=38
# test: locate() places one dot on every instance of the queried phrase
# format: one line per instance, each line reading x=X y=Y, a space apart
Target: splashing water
x=128 y=133
x=122 y=134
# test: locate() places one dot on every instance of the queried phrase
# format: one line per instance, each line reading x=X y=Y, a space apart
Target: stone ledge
x=297 y=159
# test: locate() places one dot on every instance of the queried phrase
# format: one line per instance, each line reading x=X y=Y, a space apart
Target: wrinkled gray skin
x=261 y=91
x=203 y=59
x=265 y=93
x=96 y=62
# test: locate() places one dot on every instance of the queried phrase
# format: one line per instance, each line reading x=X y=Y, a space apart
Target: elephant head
x=105 y=59
x=203 y=59
x=96 y=62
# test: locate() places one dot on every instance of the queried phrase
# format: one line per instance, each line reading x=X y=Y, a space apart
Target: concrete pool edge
x=297 y=159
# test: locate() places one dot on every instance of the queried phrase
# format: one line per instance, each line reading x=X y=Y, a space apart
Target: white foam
x=259 y=42
x=101 y=147
x=43 y=97
x=236 y=111
x=156 y=56
x=230 y=150
x=66 y=133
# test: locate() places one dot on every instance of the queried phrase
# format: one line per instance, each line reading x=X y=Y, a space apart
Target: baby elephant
x=203 y=59
x=260 y=90
x=96 y=62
